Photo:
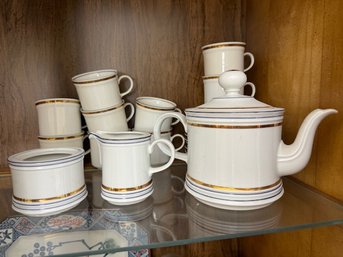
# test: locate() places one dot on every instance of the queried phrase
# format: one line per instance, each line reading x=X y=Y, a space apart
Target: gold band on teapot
x=222 y=188
x=234 y=126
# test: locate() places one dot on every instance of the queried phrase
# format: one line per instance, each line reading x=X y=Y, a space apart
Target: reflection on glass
x=170 y=216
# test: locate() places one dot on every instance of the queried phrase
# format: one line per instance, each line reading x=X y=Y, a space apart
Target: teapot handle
x=157 y=133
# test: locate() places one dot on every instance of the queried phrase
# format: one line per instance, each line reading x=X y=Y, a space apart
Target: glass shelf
x=169 y=217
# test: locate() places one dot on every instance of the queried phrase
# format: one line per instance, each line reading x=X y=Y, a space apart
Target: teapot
x=236 y=157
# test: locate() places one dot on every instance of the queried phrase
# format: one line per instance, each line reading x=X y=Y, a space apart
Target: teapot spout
x=293 y=158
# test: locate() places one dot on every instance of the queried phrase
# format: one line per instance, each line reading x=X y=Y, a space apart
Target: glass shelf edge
x=300 y=194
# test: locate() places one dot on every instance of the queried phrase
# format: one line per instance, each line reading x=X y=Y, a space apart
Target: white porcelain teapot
x=235 y=153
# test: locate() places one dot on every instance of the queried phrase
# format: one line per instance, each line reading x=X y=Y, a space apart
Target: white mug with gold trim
x=99 y=89
x=58 y=117
x=112 y=119
x=223 y=56
x=63 y=142
x=148 y=109
x=126 y=167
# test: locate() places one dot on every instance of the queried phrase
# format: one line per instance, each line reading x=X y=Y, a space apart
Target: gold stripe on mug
x=234 y=126
x=101 y=111
x=52 y=101
x=127 y=189
x=210 y=77
x=233 y=188
x=51 y=198
x=95 y=80
x=155 y=108
x=59 y=138
x=222 y=45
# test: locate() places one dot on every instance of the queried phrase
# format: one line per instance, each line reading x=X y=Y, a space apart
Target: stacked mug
x=102 y=104
x=220 y=57
x=148 y=110
x=59 y=121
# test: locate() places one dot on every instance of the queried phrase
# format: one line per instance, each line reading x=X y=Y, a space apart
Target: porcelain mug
x=157 y=156
x=62 y=142
x=58 y=117
x=148 y=109
x=99 y=90
x=112 y=119
x=220 y=57
x=212 y=88
x=126 y=167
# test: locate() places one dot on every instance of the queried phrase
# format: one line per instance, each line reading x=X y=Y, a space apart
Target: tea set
x=235 y=156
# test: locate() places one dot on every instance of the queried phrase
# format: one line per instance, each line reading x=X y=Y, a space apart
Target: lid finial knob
x=232 y=81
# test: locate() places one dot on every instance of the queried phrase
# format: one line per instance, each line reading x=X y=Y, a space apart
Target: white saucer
x=233 y=204
x=51 y=210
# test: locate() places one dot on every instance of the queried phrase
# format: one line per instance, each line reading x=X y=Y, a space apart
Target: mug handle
x=252 y=88
x=177 y=121
x=157 y=132
x=252 y=60
x=182 y=139
x=131 y=84
x=132 y=110
x=153 y=170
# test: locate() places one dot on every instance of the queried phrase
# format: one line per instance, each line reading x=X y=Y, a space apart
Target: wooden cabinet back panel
x=158 y=43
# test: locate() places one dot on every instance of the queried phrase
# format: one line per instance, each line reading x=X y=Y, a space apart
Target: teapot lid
x=234 y=104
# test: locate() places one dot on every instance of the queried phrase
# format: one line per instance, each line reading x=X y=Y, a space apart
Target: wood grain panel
x=299 y=46
x=277 y=245
x=44 y=43
x=327 y=241
x=6 y=197
x=221 y=248
x=286 y=38
x=329 y=175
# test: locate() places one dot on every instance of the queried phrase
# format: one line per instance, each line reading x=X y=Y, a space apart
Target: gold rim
x=233 y=188
x=154 y=108
x=53 y=101
x=101 y=111
x=210 y=77
x=93 y=81
x=59 y=138
x=222 y=45
x=234 y=126
x=49 y=199
x=128 y=189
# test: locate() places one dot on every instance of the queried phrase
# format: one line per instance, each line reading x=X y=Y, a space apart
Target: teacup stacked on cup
x=218 y=58
x=59 y=122
x=50 y=180
x=102 y=104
